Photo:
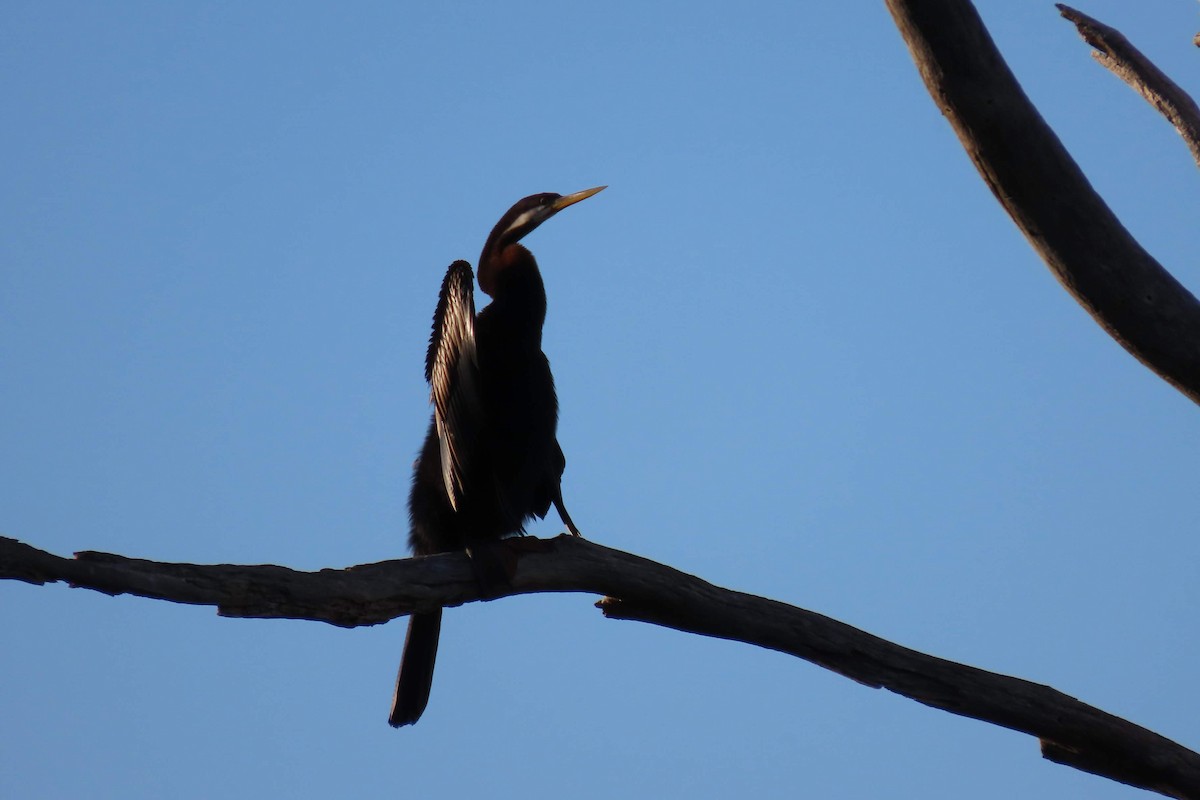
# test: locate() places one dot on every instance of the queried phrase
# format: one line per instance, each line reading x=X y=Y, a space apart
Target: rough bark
x=1119 y=56
x=1139 y=303
x=635 y=588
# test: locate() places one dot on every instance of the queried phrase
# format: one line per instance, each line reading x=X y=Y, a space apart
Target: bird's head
x=518 y=222
x=529 y=212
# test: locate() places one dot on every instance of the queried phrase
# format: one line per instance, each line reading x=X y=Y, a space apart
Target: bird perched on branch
x=491 y=459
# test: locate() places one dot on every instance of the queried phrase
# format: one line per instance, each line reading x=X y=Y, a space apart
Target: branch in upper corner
x=1128 y=63
x=1126 y=291
x=1071 y=732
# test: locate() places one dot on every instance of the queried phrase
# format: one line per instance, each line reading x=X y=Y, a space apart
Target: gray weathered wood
x=1131 y=296
x=1118 y=55
x=635 y=588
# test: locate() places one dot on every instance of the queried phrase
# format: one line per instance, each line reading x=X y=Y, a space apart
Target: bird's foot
x=528 y=544
x=493 y=565
x=565 y=517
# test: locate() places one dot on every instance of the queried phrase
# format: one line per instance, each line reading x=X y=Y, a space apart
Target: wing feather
x=452 y=370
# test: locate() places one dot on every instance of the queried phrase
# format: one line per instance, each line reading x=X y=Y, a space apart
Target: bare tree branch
x=1125 y=61
x=1129 y=294
x=1071 y=732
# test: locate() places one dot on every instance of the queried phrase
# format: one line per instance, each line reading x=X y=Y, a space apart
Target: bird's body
x=510 y=473
x=491 y=459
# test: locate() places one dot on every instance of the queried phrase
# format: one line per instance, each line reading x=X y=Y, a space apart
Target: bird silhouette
x=491 y=458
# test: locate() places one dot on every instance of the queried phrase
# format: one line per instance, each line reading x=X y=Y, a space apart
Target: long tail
x=416 y=668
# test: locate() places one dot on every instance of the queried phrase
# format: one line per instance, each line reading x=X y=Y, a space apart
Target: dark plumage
x=491 y=459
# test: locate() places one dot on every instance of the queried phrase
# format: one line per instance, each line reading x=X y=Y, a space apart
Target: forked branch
x=1123 y=287
x=636 y=588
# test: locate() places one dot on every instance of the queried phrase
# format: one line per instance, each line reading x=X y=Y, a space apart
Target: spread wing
x=452 y=370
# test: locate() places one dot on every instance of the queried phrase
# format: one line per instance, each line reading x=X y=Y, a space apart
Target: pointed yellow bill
x=572 y=199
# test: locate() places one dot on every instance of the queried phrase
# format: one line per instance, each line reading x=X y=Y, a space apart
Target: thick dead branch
x=1119 y=56
x=1129 y=294
x=636 y=588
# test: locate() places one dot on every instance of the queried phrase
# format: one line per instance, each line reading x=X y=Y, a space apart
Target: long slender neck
x=512 y=278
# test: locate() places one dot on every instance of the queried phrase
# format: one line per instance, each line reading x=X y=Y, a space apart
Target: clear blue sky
x=800 y=352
